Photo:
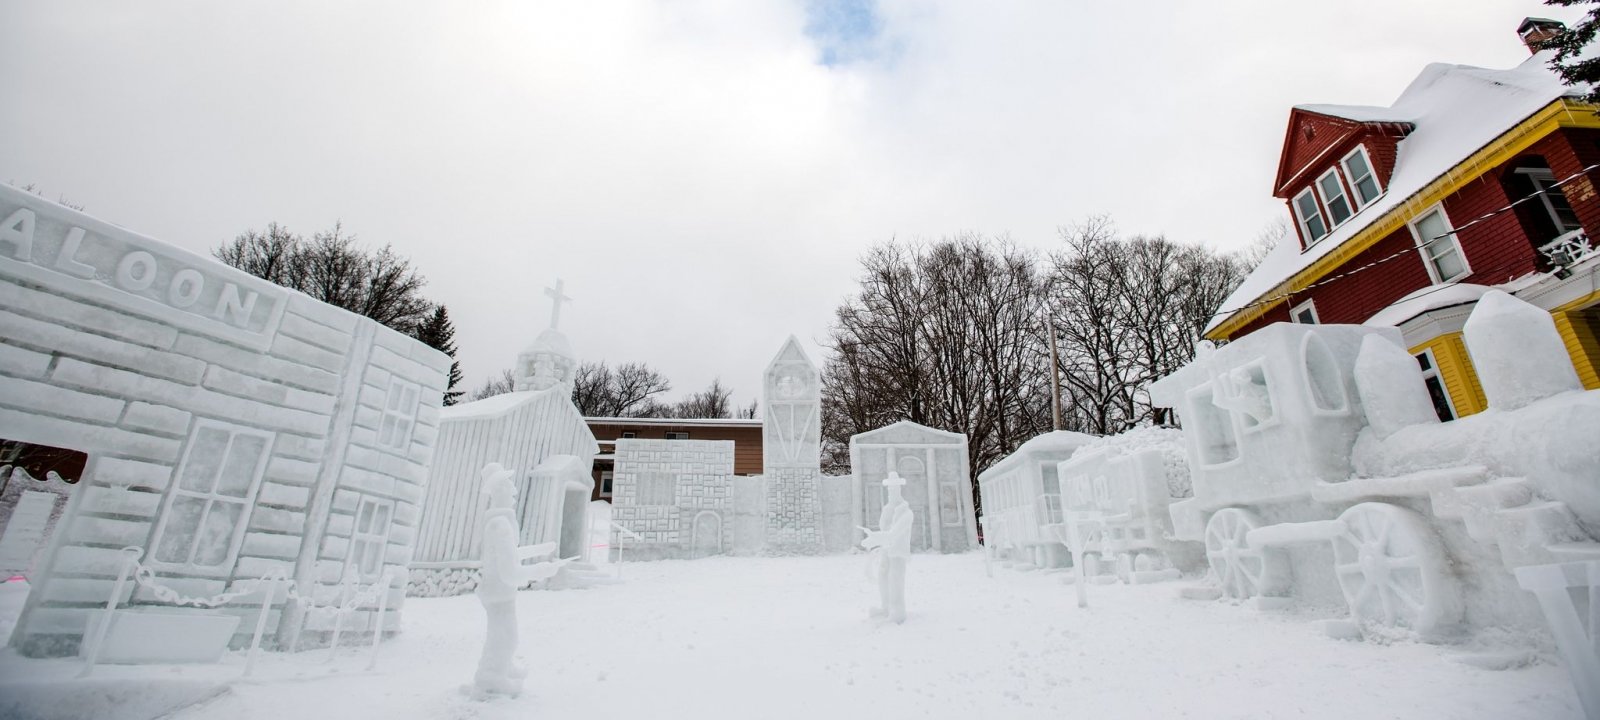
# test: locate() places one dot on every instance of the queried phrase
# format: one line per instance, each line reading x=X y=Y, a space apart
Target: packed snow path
x=790 y=638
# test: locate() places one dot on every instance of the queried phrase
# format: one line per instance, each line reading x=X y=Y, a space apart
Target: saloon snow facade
x=234 y=428
x=1403 y=216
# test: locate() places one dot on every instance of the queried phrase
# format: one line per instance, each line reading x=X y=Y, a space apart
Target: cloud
x=702 y=173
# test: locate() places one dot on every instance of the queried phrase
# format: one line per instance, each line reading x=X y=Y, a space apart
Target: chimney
x=1536 y=31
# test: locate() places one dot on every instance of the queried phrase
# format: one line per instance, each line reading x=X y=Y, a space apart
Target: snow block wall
x=234 y=428
x=676 y=495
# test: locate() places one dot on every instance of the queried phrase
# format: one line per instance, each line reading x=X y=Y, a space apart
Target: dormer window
x=1306 y=212
x=1333 y=197
x=1358 y=170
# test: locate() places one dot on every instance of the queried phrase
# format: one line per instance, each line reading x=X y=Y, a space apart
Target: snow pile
x=1167 y=441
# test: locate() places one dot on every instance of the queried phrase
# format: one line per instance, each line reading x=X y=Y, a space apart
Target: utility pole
x=1055 y=377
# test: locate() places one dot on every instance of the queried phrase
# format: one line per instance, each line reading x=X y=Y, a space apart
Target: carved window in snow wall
x=1323 y=382
x=370 y=539
x=1213 y=428
x=399 y=415
x=208 y=506
x=657 y=488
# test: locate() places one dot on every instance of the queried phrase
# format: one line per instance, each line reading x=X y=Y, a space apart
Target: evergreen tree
x=437 y=332
x=1570 y=46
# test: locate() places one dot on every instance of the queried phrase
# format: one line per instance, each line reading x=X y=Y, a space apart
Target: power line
x=1273 y=300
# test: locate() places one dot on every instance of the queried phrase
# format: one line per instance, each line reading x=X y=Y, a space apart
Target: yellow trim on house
x=1578 y=331
x=1455 y=369
x=1561 y=113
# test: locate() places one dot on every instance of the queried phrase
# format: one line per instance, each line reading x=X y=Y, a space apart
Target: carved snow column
x=1517 y=352
x=1391 y=387
x=792 y=452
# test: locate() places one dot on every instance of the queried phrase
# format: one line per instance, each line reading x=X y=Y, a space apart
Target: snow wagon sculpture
x=1320 y=468
x=1115 y=497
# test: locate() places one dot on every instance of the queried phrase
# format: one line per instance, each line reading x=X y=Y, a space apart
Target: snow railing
x=1578 y=641
x=622 y=535
x=352 y=597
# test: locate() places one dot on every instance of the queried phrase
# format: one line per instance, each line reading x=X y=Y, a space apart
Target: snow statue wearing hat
x=892 y=544
x=502 y=573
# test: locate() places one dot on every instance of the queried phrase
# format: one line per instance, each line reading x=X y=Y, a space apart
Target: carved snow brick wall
x=234 y=428
x=676 y=495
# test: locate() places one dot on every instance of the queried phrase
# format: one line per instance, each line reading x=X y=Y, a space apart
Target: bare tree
x=333 y=268
x=627 y=391
x=712 y=402
x=500 y=384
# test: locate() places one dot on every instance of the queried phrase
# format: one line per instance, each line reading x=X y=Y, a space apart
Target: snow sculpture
x=1391 y=388
x=792 y=452
x=672 y=498
x=549 y=362
x=935 y=467
x=1022 y=501
x=524 y=428
x=1517 y=352
x=891 y=548
x=503 y=573
x=294 y=435
x=1556 y=586
x=1118 y=489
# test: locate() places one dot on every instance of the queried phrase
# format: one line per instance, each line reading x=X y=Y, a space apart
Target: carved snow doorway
x=915 y=491
x=707 y=534
x=35 y=481
x=574 y=522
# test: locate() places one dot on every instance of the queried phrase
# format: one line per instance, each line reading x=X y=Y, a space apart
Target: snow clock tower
x=792 y=458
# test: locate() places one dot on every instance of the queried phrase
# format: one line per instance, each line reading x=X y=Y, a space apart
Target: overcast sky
x=703 y=174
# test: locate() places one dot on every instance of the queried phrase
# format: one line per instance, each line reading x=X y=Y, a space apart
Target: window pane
x=1424 y=362
x=1431 y=227
x=216 y=534
x=386 y=431
x=380 y=519
x=1441 y=402
x=1449 y=263
x=1315 y=228
x=364 y=517
x=239 y=471
x=1367 y=188
x=1338 y=206
x=178 y=534
x=205 y=460
x=395 y=393
x=1357 y=165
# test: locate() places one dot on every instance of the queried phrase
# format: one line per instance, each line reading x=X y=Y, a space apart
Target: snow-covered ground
x=790 y=638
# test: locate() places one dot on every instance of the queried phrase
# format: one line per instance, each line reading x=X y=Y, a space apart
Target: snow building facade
x=234 y=430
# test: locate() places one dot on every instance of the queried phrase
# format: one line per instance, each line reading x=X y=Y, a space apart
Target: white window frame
x=361 y=539
x=1294 y=313
x=399 y=421
x=677 y=434
x=1327 y=202
x=1303 y=223
x=1372 y=171
x=1452 y=238
x=1433 y=372
x=1543 y=180
x=608 y=477
x=176 y=490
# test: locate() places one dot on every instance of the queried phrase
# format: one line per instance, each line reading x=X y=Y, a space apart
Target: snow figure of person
x=891 y=542
x=503 y=572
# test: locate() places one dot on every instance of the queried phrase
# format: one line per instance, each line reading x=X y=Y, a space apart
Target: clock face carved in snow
x=791 y=386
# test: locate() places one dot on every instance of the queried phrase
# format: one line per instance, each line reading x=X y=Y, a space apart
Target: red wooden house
x=1405 y=215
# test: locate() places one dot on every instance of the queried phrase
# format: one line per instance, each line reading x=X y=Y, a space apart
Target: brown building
x=745 y=434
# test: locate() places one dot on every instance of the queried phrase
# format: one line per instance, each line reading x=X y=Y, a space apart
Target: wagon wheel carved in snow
x=1242 y=570
x=1393 y=569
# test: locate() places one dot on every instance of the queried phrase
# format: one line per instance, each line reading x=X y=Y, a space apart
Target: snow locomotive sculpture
x=1321 y=470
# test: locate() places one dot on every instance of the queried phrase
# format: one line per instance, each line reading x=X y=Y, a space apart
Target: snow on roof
x=704 y=422
x=1059 y=441
x=492 y=406
x=1456 y=110
x=1432 y=297
x=1358 y=113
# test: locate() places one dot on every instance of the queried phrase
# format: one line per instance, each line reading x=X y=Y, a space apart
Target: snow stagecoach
x=1321 y=471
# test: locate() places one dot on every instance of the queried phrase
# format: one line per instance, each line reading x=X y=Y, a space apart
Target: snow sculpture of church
x=938 y=483
x=535 y=430
x=792 y=445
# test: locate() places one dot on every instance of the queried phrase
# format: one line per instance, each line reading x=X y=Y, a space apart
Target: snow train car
x=1115 y=494
x=1321 y=471
x=1022 y=501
